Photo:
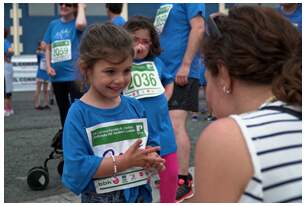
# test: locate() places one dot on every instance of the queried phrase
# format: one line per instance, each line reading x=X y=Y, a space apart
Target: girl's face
x=108 y=80
x=142 y=43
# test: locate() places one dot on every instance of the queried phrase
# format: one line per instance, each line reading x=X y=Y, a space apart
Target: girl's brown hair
x=259 y=46
x=140 y=22
x=104 y=42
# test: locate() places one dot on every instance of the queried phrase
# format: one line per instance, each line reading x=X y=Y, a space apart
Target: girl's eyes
x=126 y=71
x=109 y=71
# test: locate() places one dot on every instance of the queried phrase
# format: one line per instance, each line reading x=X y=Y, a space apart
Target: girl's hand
x=137 y=157
x=156 y=162
x=82 y=5
x=51 y=72
x=139 y=49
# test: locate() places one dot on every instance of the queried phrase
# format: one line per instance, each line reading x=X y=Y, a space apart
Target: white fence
x=25 y=68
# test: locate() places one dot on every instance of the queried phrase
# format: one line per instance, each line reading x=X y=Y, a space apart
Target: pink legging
x=168 y=179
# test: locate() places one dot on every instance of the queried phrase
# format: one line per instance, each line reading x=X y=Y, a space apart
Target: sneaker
x=39 y=108
x=184 y=190
x=194 y=118
x=46 y=107
x=51 y=101
x=6 y=113
x=211 y=118
x=11 y=111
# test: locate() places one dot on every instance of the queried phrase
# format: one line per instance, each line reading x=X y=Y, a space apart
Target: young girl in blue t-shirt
x=106 y=142
x=152 y=86
x=42 y=78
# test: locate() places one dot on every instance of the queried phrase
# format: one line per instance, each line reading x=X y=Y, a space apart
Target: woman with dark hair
x=63 y=38
x=8 y=75
x=253 y=151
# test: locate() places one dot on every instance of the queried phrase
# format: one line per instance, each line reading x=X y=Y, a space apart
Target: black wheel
x=60 y=167
x=38 y=178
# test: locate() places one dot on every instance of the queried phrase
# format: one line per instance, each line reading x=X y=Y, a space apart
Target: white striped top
x=274 y=140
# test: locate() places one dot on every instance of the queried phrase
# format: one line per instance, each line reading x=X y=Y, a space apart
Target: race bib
x=60 y=51
x=114 y=138
x=145 y=81
x=161 y=17
x=42 y=64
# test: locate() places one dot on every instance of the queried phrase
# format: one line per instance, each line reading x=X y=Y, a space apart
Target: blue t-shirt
x=118 y=20
x=175 y=34
x=295 y=17
x=66 y=70
x=158 y=114
x=7 y=45
x=80 y=162
x=41 y=72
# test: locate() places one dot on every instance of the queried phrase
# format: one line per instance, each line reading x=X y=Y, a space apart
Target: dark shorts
x=185 y=97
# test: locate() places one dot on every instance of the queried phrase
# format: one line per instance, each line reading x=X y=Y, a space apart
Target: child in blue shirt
x=105 y=134
x=42 y=78
x=152 y=86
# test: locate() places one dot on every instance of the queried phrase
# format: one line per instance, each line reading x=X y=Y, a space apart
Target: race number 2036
x=145 y=81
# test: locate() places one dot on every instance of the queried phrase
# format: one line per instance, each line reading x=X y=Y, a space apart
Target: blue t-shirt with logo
x=175 y=34
x=158 y=114
x=295 y=17
x=118 y=21
x=80 y=162
x=67 y=37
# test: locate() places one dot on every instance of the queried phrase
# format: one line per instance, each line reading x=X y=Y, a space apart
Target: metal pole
x=124 y=13
x=16 y=37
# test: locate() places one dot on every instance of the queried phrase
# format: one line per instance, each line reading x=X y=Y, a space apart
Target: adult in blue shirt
x=114 y=13
x=62 y=38
x=181 y=28
x=293 y=12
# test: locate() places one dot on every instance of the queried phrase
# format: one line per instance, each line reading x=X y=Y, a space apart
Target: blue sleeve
x=141 y=113
x=80 y=162
x=193 y=10
x=7 y=45
x=165 y=77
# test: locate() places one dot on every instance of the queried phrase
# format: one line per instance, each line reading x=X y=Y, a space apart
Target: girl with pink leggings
x=153 y=86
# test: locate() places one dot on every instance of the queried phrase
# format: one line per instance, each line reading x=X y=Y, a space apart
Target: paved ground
x=27 y=138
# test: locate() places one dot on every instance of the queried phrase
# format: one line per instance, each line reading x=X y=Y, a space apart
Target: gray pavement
x=27 y=138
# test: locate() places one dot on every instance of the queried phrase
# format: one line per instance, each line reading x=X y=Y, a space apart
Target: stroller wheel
x=60 y=167
x=38 y=178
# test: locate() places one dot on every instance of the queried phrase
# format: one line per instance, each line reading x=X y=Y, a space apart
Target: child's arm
x=169 y=90
x=165 y=77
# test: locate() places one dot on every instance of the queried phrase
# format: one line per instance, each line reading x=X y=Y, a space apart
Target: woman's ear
x=225 y=80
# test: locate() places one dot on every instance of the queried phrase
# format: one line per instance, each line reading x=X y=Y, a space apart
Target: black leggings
x=65 y=94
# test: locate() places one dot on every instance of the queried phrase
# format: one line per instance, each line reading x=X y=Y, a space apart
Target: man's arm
x=195 y=37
